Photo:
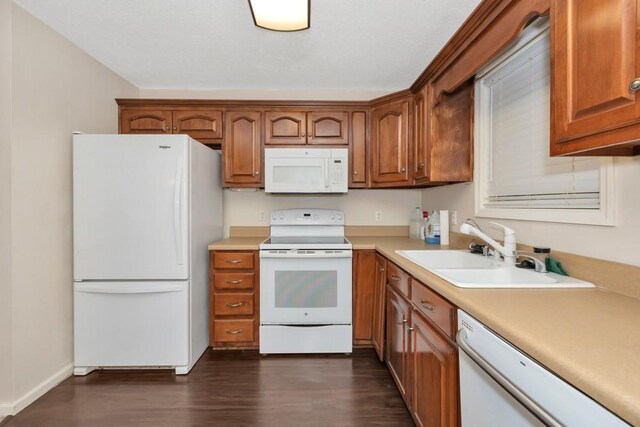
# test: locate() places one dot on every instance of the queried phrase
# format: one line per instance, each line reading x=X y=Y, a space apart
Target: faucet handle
x=507 y=231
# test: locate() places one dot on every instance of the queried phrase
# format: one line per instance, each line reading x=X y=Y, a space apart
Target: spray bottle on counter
x=433 y=228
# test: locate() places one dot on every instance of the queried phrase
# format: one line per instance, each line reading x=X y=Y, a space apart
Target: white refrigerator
x=145 y=207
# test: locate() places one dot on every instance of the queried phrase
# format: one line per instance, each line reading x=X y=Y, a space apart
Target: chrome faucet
x=539 y=265
x=508 y=251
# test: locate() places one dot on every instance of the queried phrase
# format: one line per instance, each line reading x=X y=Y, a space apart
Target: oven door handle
x=306 y=254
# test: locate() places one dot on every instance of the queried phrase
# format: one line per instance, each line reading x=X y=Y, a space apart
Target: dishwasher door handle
x=512 y=389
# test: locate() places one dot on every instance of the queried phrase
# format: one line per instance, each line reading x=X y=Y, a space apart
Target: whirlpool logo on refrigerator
x=164 y=147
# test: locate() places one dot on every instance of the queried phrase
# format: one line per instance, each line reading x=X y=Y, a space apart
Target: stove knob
x=333 y=217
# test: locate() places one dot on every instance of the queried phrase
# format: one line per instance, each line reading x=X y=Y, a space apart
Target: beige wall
x=619 y=243
x=57 y=89
x=243 y=208
x=6 y=332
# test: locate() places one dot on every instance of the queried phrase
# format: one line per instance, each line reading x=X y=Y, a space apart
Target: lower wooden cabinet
x=377 y=330
x=234 y=302
x=421 y=353
x=433 y=362
x=363 y=295
x=398 y=345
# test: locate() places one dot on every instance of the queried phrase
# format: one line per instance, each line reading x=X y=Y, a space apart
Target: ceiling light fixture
x=281 y=15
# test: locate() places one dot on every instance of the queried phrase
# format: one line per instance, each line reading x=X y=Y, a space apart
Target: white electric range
x=305 y=283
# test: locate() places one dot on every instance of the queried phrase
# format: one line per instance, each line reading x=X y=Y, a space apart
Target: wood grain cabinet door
x=364 y=262
x=145 y=121
x=328 y=127
x=595 y=59
x=377 y=330
x=390 y=144
x=398 y=346
x=241 y=150
x=434 y=366
x=285 y=128
x=420 y=137
x=198 y=124
x=358 y=153
x=451 y=136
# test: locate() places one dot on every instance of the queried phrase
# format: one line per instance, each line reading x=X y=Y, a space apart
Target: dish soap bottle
x=414 y=224
x=433 y=228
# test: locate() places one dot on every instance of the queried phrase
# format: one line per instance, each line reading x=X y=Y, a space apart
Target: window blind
x=515 y=114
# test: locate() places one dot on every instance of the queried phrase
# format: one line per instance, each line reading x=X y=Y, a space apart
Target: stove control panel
x=312 y=216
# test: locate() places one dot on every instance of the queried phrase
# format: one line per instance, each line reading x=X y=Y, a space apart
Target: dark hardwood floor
x=230 y=388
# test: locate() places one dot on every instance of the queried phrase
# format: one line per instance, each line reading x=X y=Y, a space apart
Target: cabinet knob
x=355 y=172
x=167 y=128
x=409 y=330
x=420 y=165
x=382 y=270
x=175 y=128
x=256 y=173
x=403 y=169
x=634 y=86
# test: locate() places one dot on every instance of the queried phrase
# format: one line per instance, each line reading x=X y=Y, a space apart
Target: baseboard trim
x=35 y=393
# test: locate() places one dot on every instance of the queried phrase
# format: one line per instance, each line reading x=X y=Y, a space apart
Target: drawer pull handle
x=233 y=282
x=395 y=278
x=236 y=332
x=233 y=261
x=235 y=304
x=428 y=305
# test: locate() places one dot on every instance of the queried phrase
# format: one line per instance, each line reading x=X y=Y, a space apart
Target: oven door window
x=306 y=289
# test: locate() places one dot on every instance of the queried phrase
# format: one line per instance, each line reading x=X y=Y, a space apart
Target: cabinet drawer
x=234 y=330
x=436 y=308
x=233 y=304
x=398 y=279
x=232 y=281
x=233 y=260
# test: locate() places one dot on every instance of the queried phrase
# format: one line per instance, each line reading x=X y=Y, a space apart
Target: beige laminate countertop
x=589 y=337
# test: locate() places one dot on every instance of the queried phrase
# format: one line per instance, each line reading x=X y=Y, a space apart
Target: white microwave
x=306 y=170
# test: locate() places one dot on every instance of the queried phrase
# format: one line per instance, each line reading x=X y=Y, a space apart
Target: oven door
x=305 y=287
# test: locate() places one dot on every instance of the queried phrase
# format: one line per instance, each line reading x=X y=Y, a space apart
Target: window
x=515 y=176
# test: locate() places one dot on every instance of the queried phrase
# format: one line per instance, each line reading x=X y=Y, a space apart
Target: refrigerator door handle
x=177 y=211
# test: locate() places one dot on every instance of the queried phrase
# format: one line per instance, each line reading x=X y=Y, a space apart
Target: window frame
x=604 y=216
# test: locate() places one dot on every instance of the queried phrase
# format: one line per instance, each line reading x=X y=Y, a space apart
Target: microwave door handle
x=326 y=172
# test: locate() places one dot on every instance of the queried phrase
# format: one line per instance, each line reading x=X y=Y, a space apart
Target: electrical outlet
x=378 y=216
x=454 y=217
x=262 y=216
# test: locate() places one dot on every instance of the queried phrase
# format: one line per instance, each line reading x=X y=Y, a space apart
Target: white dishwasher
x=501 y=386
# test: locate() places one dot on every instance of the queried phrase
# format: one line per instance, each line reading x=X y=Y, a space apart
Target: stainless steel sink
x=467 y=270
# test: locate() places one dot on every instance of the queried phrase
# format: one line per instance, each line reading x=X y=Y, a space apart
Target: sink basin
x=449 y=259
x=466 y=270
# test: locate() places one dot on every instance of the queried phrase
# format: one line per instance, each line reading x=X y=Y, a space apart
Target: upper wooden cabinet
x=300 y=127
x=420 y=169
x=200 y=124
x=242 y=149
x=358 y=165
x=390 y=127
x=450 y=153
x=595 y=83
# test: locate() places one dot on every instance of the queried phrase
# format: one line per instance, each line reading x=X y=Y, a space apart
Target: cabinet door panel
x=328 y=128
x=241 y=150
x=451 y=137
x=596 y=55
x=420 y=136
x=390 y=143
x=363 y=290
x=358 y=149
x=145 y=121
x=379 y=304
x=434 y=365
x=198 y=124
x=287 y=127
x=397 y=340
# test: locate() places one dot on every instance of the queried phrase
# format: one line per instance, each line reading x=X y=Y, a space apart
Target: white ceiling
x=213 y=44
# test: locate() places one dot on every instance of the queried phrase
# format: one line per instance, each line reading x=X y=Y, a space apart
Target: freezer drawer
x=131 y=324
